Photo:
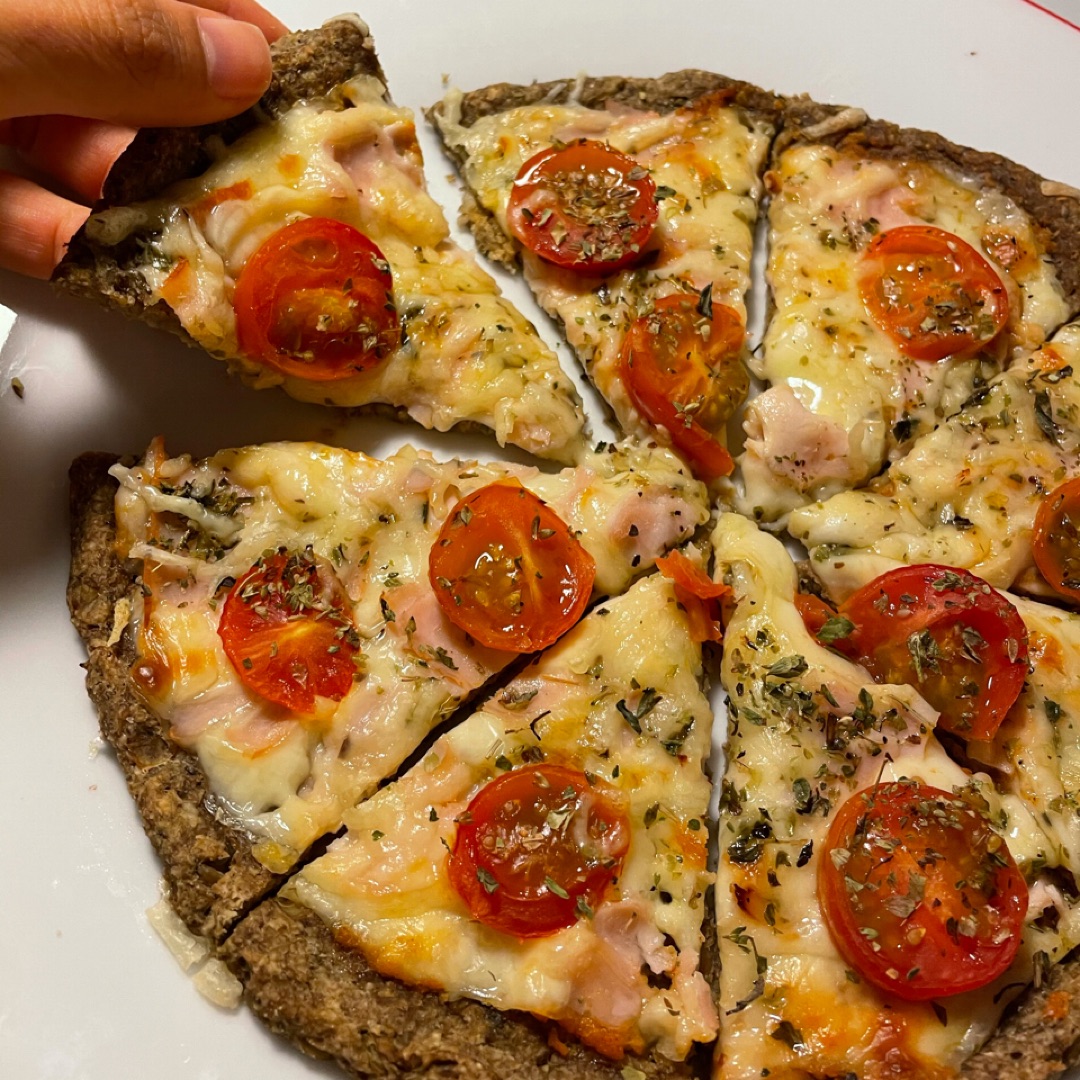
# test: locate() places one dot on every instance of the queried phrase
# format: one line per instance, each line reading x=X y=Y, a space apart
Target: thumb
x=137 y=62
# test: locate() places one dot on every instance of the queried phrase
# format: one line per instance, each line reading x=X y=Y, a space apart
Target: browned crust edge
x=211 y=876
x=664 y=94
x=307 y=64
x=1056 y=218
x=1040 y=1037
x=325 y=999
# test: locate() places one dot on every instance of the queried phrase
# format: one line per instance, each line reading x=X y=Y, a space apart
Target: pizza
x=423 y=744
x=548 y=855
x=884 y=891
x=296 y=619
x=903 y=271
x=298 y=243
x=630 y=206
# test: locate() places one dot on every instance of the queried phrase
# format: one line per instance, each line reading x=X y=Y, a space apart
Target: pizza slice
x=546 y=857
x=904 y=271
x=630 y=206
x=896 y=846
x=298 y=242
x=993 y=489
x=273 y=630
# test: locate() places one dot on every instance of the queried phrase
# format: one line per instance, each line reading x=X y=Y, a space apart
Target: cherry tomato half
x=962 y=645
x=585 y=206
x=922 y=898
x=1055 y=542
x=931 y=292
x=698 y=594
x=682 y=367
x=315 y=301
x=537 y=848
x=507 y=569
x=284 y=629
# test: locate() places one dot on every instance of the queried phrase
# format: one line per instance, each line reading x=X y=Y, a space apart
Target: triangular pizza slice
x=630 y=206
x=298 y=242
x=904 y=271
x=292 y=620
x=897 y=852
x=548 y=856
x=992 y=489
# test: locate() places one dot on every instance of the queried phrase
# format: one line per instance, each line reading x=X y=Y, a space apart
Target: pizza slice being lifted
x=547 y=856
x=299 y=243
x=630 y=205
x=904 y=271
x=892 y=875
x=273 y=630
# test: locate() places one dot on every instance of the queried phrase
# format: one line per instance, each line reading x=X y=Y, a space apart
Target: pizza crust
x=1040 y=1037
x=211 y=876
x=327 y=1000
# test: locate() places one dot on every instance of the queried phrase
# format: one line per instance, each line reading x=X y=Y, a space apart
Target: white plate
x=86 y=989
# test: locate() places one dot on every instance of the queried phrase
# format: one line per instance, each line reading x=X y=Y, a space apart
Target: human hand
x=78 y=76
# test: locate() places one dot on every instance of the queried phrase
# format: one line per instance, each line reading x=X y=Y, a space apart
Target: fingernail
x=237 y=57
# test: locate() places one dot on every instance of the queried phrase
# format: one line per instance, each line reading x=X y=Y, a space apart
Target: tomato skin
x=814 y=611
x=697 y=593
x=1055 y=541
x=962 y=645
x=931 y=292
x=686 y=380
x=523 y=831
x=507 y=570
x=284 y=630
x=315 y=301
x=585 y=207
x=922 y=898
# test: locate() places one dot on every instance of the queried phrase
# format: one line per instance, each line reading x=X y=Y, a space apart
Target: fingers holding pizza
x=75 y=83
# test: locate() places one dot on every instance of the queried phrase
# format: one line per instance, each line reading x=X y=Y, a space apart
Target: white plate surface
x=86 y=989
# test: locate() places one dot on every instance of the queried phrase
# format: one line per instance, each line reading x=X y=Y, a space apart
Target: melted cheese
x=777 y=739
x=837 y=384
x=285 y=780
x=708 y=156
x=467 y=354
x=967 y=493
x=385 y=889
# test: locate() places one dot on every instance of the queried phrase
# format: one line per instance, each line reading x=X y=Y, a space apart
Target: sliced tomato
x=285 y=630
x=682 y=367
x=947 y=633
x=1055 y=542
x=922 y=898
x=537 y=849
x=698 y=594
x=507 y=569
x=315 y=301
x=584 y=206
x=814 y=611
x=931 y=292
